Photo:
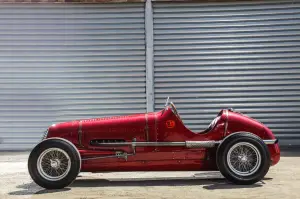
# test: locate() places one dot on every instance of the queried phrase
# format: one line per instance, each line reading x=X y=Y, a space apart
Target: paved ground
x=282 y=181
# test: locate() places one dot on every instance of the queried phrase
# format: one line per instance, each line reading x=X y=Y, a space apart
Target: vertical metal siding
x=210 y=56
x=65 y=62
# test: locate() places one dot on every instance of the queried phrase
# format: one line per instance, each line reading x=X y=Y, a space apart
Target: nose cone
x=64 y=125
x=66 y=130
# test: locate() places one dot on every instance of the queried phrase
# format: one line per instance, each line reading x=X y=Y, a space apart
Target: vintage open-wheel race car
x=241 y=148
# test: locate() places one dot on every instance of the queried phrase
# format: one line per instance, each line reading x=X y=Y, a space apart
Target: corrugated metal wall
x=63 y=62
x=240 y=55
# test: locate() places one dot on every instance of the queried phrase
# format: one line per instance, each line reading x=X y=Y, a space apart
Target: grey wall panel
x=65 y=62
x=210 y=56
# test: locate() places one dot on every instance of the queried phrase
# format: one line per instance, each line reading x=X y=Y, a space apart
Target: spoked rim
x=243 y=159
x=54 y=164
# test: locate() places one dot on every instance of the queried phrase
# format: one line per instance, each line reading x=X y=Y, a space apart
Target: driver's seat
x=211 y=126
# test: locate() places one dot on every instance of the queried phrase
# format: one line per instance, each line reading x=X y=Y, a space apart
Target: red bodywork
x=162 y=126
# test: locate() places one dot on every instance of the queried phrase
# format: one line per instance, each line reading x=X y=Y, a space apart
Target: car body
x=159 y=141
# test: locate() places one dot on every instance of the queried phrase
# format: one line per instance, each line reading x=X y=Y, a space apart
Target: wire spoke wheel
x=243 y=159
x=53 y=164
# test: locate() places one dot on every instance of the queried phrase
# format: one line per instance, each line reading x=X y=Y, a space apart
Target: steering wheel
x=173 y=108
x=175 y=111
x=166 y=105
x=167 y=102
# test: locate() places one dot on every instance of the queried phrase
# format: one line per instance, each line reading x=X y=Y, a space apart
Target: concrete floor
x=282 y=181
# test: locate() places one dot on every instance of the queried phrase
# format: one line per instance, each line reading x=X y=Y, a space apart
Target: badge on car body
x=170 y=124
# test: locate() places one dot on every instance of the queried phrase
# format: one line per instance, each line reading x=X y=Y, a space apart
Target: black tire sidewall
x=54 y=143
x=223 y=164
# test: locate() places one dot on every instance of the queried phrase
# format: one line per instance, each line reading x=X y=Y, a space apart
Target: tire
x=54 y=163
x=231 y=160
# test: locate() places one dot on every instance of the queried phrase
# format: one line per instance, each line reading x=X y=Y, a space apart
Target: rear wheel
x=243 y=158
x=54 y=163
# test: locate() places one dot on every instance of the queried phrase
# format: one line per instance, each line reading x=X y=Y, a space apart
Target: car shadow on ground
x=209 y=184
x=32 y=189
x=206 y=183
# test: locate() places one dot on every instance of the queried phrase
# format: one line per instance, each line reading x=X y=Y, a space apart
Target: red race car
x=241 y=148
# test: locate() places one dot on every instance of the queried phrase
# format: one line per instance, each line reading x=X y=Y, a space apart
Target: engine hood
x=82 y=131
x=127 y=127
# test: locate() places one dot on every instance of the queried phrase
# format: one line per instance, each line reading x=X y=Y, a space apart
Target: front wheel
x=54 y=163
x=243 y=158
